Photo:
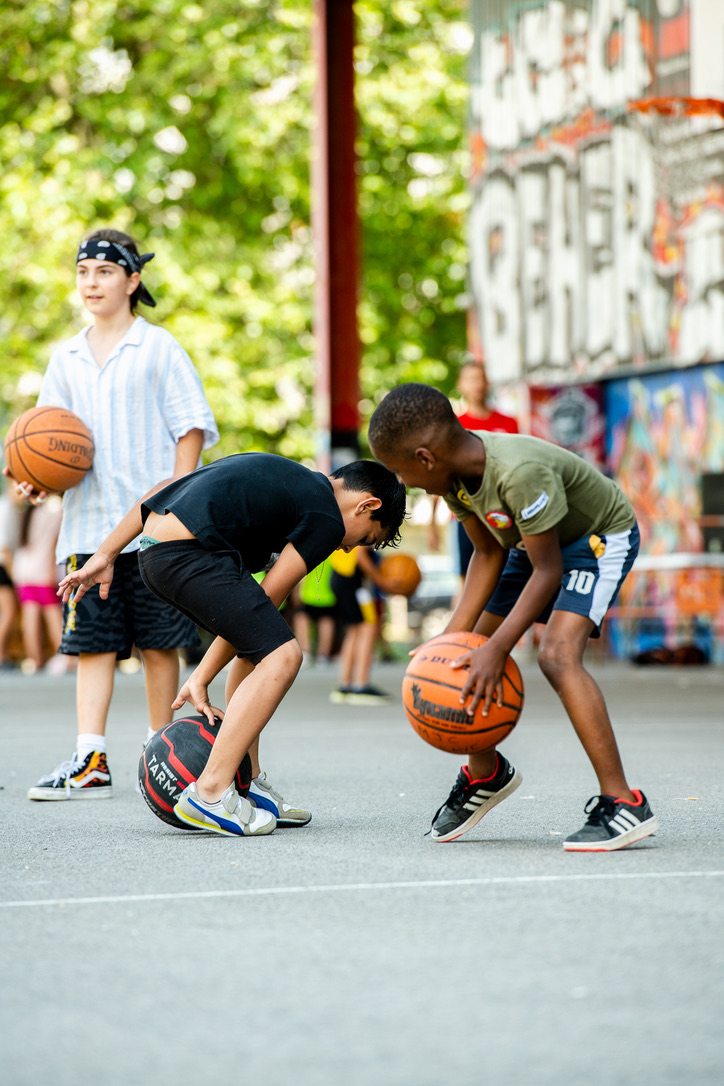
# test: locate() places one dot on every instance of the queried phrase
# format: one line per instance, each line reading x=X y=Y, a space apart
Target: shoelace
x=457 y=793
x=65 y=770
x=602 y=812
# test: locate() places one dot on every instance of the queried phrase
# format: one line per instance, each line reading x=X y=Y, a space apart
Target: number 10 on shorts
x=581 y=581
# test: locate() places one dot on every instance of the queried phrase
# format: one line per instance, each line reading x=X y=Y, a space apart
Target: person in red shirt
x=472 y=384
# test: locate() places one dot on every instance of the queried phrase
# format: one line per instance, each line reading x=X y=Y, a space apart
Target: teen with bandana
x=138 y=392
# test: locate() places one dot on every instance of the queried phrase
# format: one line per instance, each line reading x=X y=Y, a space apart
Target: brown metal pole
x=335 y=227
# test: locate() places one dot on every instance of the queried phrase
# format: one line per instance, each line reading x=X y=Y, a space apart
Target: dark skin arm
x=482 y=575
x=487 y=663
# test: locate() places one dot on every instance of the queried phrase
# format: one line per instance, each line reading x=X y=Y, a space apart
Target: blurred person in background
x=35 y=573
x=9 y=528
x=317 y=614
x=472 y=385
x=357 y=611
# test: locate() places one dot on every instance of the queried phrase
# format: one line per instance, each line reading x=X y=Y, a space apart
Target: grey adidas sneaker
x=612 y=824
x=471 y=799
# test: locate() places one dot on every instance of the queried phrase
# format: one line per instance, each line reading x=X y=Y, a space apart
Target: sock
x=150 y=733
x=87 y=742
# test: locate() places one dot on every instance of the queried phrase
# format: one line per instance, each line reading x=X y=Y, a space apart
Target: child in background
x=9 y=523
x=358 y=612
x=35 y=573
x=317 y=608
x=472 y=384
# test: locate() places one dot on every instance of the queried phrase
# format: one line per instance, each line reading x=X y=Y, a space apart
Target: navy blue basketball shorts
x=217 y=592
x=594 y=568
x=130 y=616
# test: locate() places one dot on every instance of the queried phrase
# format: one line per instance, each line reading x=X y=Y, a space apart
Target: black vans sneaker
x=89 y=779
x=613 y=823
x=470 y=800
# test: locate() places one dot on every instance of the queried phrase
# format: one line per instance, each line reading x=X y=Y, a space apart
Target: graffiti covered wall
x=664 y=431
x=596 y=235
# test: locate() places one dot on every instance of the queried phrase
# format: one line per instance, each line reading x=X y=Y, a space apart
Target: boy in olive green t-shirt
x=554 y=540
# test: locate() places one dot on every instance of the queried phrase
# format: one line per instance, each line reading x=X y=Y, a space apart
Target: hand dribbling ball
x=173 y=758
x=401 y=574
x=49 y=447
x=431 y=697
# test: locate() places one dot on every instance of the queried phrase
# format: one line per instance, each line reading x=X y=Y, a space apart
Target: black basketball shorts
x=130 y=616
x=218 y=593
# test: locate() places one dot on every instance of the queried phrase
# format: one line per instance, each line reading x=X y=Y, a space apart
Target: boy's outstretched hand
x=484 y=682
x=97 y=570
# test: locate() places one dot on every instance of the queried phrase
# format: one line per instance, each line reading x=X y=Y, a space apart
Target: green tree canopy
x=189 y=126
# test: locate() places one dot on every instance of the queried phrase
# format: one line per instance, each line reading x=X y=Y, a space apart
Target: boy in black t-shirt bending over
x=205 y=534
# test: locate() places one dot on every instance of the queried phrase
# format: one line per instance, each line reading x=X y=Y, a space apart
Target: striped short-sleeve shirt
x=138 y=405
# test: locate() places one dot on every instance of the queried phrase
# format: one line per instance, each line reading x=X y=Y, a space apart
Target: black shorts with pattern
x=132 y=615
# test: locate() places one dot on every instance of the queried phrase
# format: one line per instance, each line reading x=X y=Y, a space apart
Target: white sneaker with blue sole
x=232 y=815
x=262 y=795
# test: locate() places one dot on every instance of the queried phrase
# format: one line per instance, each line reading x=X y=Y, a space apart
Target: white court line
x=345 y=887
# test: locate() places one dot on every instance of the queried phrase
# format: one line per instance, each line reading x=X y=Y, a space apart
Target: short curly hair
x=407 y=414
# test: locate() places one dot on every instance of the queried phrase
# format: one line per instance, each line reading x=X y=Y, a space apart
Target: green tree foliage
x=189 y=125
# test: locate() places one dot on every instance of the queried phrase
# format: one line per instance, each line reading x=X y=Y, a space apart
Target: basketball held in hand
x=49 y=447
x=431 y=696
x=401 y=574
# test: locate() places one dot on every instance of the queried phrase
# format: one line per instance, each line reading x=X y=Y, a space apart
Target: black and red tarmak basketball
x=175 y=757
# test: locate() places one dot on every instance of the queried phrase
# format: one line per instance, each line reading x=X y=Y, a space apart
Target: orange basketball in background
x=400 y=573
x=431 y=696
x=49 y=447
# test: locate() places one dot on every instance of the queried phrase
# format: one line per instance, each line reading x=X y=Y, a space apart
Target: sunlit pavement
x=356 y=951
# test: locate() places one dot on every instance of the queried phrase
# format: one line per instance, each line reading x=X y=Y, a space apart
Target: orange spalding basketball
x=49 y=447
x=431 y=696
x=401 y=574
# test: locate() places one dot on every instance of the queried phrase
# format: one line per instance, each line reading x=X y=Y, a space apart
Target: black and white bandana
x=115 y=253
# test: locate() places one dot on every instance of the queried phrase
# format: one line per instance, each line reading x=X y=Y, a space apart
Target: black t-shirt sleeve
x=315 y=537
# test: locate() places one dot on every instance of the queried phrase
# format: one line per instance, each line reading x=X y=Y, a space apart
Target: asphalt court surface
x=356 y=950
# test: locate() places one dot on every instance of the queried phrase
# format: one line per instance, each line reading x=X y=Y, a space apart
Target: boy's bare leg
x=94 y=689
x=561 y=660
x=285 y=813
x=238 y=671
x=482 y=765
x=250 y=707
x=161 y=667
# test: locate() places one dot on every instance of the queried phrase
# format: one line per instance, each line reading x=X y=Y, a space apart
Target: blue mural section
x=663 y=432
